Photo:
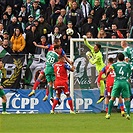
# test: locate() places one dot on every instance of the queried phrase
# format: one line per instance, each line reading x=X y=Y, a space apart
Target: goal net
x=83 y=82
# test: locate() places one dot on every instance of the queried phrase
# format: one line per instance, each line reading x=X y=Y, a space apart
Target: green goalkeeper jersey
x=97 y=58
x=51 y=58
x=122 y=70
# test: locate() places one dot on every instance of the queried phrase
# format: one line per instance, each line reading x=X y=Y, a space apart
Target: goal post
x=77 y=46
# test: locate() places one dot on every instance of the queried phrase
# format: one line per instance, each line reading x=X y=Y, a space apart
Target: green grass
x=65 y=123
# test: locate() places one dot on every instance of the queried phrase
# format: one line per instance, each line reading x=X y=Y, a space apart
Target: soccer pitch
x=65 y=123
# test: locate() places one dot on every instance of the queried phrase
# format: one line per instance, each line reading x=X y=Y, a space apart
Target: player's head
x=57 y=41
x=57 y=48
x=120 y=56
x=110 y=60
x=61 y=58
x=97 y=47
x=124 y=44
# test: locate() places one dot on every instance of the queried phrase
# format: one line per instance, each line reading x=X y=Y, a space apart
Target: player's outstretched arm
x=40 y=46
x=70 y=62
x=87 y=43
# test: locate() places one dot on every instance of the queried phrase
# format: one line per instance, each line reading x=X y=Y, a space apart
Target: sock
x=106 y=108
x=51 y=91
x=36 y=84
x=4 y=107
x=102 y=88
x=121 y=106
x=110 y=106
x=127 y=105
x=55 y=103
x=47 y=91
x=70 y=103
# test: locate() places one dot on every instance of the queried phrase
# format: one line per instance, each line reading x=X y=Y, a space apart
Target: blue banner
x=84 y=100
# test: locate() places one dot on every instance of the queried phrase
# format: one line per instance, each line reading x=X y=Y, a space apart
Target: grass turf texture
x=65 y=123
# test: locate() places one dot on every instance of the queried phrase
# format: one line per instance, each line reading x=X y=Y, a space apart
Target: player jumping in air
x=61 y=82
x=41 y=75
x=121 y=85
x=109 y=86
x=95 y=58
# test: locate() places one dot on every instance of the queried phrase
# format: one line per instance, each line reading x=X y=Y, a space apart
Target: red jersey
x=109 y=78
x=60 y=70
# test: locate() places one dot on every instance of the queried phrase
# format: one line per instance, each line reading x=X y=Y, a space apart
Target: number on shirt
x=121 y=71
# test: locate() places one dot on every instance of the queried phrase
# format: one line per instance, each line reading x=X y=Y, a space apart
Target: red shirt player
x=61 y=82
x=109 y=85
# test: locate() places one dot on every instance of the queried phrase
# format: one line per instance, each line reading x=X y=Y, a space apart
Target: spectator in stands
x=67 y=36
x=128 y=10
x=5 y=20
x=52 y=13
x=18 y=42
x=89 y=34
x=104 y=22
x=15 y=5
x=28 y=6
x=122 y=5
x=60 y=24
x=54 y=34
x=63 y=14
x=69 y=5
x=21 y=23
x=75 y=15
x=39 y=49
x=111 y=12
x=98 y=12
x=86 y=9
x=12 y=26
x=23 y=13
x=116 y=31
x=28 y=24
x=9 y=12
x=90 y=26
x=121 y=21
x=36 y=11
x=36 y=23
x=101 y=33
x=31 y=36
x=5 y=35
x=44 y=28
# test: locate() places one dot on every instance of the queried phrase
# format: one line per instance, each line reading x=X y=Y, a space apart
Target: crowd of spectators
x=26 y=21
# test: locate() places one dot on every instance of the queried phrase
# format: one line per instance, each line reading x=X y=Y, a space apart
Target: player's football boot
x=72 y=112
x=52 y=112
x=45 y=98
x=31 y=93
x=4 y=113
x=123 y=113
x=128 y=117
x=131 y=97
x=107 y=116
x=101 y=98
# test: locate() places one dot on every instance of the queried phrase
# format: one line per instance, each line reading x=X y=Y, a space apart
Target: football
x=69 y=32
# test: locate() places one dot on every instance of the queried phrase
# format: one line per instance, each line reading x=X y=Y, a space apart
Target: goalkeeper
x=95 y=58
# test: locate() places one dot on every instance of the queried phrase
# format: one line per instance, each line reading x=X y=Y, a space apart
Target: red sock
x=122 y=108
x=70 y=103
x=106 y=109
x=36 y=84
x=47 y=91
x=55 y=103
